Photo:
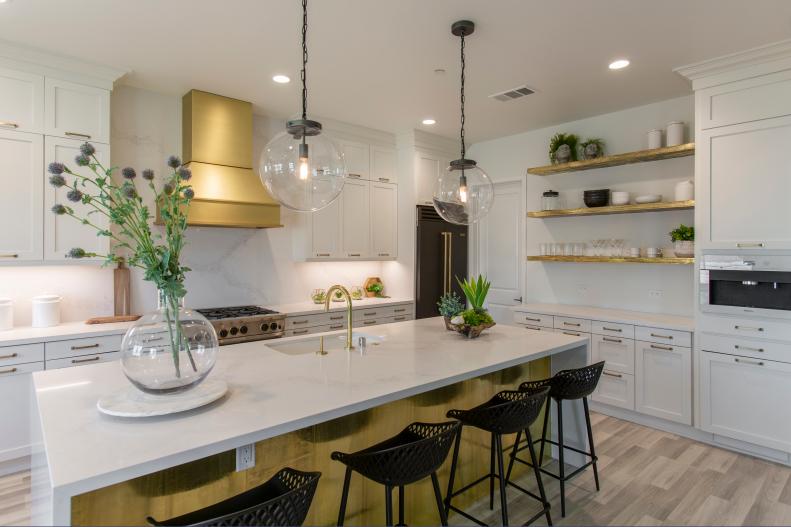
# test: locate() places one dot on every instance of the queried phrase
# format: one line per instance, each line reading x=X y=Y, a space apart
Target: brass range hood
x=217 y=145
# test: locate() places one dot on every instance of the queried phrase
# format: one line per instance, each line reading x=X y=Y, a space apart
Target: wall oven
x=747 y=284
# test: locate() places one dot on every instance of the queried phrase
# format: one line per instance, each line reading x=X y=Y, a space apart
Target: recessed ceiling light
x=619 y=64
x=429 y=122
x=281 y=79
x=5 y=1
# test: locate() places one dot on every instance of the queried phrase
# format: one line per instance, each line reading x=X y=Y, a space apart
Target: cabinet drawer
x=403 y=309
x=76 y=111
x=616 y=352
x=372 y=312
x=296 y=332
x=611 y=328
x=10 y=355
x=401 y=318
x=19 y=369
x=745 y=327
x=534 y=319
x=746 y=347
x=21 y=101
x=615 y=389
x=663 y=385
x=77 y=347
x=307 y=321
x=747 y=100
x=360 y=323
x=663 y=336
x=573 y=324
x=83 y=360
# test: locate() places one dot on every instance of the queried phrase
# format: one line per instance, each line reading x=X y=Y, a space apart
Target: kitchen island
x=295 y=407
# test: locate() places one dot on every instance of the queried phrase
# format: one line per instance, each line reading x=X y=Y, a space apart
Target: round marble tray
x=131 y=402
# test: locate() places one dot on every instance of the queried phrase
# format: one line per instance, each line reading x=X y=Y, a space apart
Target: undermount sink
x=331 y=343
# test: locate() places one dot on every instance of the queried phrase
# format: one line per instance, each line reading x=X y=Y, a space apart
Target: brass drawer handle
x=77 y=134
x=664 y=348
x=9 y=124
x=657 y=335
x=618 y=375
x=85 y=347
x=353 y=176
x=608 y=339
x=11 y=370
x=533 y=319
x=322 y=254
x=384 y=179
x=749 y=245
x=573 y=334
x=571 y=324
x=12 y=356
x=78 y=361
x=153 y=339
x=753 y=362
x=299 y=322
x=336 y=318
x=399 y=318
x=384 y=254
x=300 y=331
x=12 y=255
x=534 y=328
x=399 y=310
x=369 y=314
x=605 y=328
x=738 y=347
x=747 y=328
x=369 y=322
x=351 y=255
x=337 y=326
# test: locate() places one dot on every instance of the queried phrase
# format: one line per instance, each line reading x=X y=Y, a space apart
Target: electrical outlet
x=655 y=294
x=245 y=457
x=582 y=290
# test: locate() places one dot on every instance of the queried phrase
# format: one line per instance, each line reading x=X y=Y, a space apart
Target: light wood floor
x=647 y=477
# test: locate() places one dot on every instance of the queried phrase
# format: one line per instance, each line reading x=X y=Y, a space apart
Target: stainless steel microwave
x=747 y=284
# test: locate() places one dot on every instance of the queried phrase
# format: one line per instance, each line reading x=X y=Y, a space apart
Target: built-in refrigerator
x=441 y=256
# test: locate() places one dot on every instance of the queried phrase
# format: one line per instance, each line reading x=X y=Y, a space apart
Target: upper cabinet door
x=62 y=233
x=21 y=162
x=76 y=111
x=357 y=158
x=383 y=165
x=21 y=101
x=326 y=231
x=743 y=184
x=356 y=220
x=384 y=220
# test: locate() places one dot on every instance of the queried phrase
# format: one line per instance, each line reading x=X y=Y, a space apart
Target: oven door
x=765 y=293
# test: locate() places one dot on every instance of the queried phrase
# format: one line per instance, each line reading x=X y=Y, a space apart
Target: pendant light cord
x=463 y=65
x=305 y=59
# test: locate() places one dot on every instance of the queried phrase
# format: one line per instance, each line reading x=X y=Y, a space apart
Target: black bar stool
x=415 y=453
x=283 y=500
x=566 y=385
x=508 y=412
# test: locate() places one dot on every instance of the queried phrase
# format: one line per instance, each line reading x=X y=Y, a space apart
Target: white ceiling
x=372 y=61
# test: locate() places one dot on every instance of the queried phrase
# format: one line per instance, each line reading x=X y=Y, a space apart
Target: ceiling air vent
x=513 y=93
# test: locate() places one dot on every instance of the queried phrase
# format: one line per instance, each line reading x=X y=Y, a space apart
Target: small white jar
x=6 y=314
x=46 y=311
x=674 y=133
x=654 y=139
x=685 y=190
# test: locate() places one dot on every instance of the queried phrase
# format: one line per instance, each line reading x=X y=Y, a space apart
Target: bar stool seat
x=413 y=454
x=283 y=500
x=507 y=412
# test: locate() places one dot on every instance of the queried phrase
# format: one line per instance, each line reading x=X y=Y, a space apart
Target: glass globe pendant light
x=463 y=193
x=300 y=168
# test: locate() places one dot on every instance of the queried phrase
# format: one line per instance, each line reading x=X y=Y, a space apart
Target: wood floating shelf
x=614 y=209
x=612 y=259
x=628 y=158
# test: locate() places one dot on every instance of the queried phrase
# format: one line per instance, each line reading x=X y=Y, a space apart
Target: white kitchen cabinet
x=21 y=101
x=356 y=220
x=428 y=167
x=384 y=220
x=615 y=389
x=325 y=232
x=62 y=233
x=742 y=199
x=746 y=399
x=616 y=352
x=383 y=164
x=77 y=111
x=663 y=381
x=21 y=199
x=358 y=159
x=15 y=411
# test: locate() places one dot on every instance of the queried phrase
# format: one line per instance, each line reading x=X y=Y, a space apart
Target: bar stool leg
x=443 y=519
x=560 y=460
x=513 y=456
x=498 y=443
x=491 y=474
x=544 y=429
x=590 y=441
x=537 y=472
x=452 y=472
x=346 y=480
x=401 y=505
x=388 y=505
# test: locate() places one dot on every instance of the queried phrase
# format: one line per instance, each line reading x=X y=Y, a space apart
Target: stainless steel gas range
x=245 y=323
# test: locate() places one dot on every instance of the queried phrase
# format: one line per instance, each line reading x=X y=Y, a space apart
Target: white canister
x=674 y=134
x=654 y=138
x=685 y=190
x=46 y=311
x=6 y=314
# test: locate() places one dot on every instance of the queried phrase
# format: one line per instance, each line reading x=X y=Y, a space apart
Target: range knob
x=243 y=330
x=264 y=326
x=273 y=326
x=223 y=333
x=234 y=330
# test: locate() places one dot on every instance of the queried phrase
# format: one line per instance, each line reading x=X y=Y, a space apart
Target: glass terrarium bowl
x=357 y=292
x=318 y=296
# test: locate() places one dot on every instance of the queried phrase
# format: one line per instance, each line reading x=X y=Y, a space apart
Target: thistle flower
x=87 y=149
x=148 y=174
x=174 y=162
x=189 y=193
x=129 y=173
x=57 y=181
x=129 y=191
x=74 y=195
x=168 y=188
x=56 y=168
x=184 y=173
x=59 y=209
x=76 y=253
x=82 y=160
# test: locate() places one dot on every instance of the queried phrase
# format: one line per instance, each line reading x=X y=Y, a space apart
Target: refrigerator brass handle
x=77 y=134
x=608 y=339
x=9 y=124
x=78 y=361
x=752 y=362
x=450 y=261
x=738 y=347
x=11 y=356
x=85 y=347
x=663 y=348
x=445 y=263
x=618 y=375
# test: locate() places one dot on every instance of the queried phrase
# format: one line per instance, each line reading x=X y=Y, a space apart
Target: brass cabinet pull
x=399 y=318
x=153 y=339
x=573 y=334
x=749 y=245
x=12 y=255
x=369 y=314
x=533 y=319
x=322 y=254
x=353 y=254
x=608 y=339
x=300 y=331
x=384 y=254
x=399 y=310
x=668 y=337
x=353 y=176
x=11 y=370
x=299 y=322
x=369 y=322
x=571 y=324
x=450 y=261
x=12 y=356
x=534 y=328
x=77 y=134
x=747 y=328
x=753 y=362
x=92 y=359
x=85 y=347
x=618 y=375
x=445 y=280
x=605 y=328
x=384 y=179
x=337 y=326
x=738 y=347
x=664 y=348
x=9 y=124
x=337 y=318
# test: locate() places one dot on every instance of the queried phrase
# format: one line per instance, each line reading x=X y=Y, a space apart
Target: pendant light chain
x=463 y=65
x=304 y=59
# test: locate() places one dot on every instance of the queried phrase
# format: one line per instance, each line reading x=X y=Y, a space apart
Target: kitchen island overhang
x=272 y=394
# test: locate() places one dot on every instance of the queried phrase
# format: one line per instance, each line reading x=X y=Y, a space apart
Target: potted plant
x=375 y=289
x=563 y=148
x=471 y=322
x=592 y=148
x=683 y=241
x=450 y=305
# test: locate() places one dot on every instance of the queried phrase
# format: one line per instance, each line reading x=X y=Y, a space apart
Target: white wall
x=606 y=285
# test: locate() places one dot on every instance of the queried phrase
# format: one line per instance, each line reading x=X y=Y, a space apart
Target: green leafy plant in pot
x=471 y=322
x=683 y=241
x=449 y=306
x=563 y=148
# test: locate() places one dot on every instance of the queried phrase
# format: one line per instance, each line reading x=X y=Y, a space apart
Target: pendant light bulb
x=463 y=188
x=304 y=167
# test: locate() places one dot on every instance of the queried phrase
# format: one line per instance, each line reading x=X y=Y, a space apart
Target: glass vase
x=170 y=350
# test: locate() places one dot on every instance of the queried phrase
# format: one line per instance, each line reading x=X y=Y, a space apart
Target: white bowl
x=619 y=198
x=648 y=198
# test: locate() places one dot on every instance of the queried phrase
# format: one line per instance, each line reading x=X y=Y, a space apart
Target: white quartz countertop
x=270 y=394
x=637 y=318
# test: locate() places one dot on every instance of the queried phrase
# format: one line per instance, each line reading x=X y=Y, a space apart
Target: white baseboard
x=12 y=465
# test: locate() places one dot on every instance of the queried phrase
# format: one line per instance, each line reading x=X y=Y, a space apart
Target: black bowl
x=597 y=200
x=604 y=191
